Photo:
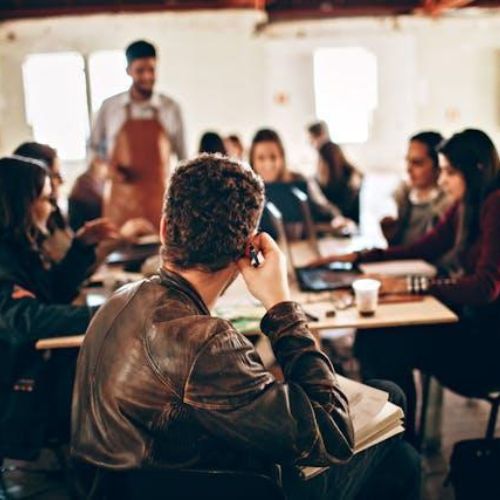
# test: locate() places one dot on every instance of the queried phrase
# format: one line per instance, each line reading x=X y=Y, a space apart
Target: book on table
x=404 y=267
x=374 y=418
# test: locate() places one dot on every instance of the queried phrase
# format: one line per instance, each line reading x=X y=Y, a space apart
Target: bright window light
x=107 y=73
x=345 y=86
x=56 y=102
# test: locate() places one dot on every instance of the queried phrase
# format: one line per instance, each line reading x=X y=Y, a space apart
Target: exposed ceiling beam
x=15 y=9
x=278 y=10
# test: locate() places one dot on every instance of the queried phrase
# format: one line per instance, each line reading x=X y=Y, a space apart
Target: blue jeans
x=387 y=471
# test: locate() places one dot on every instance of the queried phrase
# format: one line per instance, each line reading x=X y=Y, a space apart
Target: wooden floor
x=462 y=419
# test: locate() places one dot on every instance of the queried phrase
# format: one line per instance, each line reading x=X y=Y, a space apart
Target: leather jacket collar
x=170 y=279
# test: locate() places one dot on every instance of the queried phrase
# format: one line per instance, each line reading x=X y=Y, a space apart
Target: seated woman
x=463 y=356
x=267 y=158
x=339 y=181
x=60 y=235
x=35 y=301
x=420 y=201
x=86 y=197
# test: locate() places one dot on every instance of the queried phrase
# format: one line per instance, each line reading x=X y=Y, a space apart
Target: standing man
x=136 y=132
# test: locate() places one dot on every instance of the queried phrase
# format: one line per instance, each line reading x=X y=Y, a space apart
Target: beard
x=146 y=93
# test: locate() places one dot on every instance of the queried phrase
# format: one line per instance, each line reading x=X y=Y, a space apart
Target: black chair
x=25 y=424
x=309 y=226
x=185 y=485
x=492 y=397
x=63 y=473
x=293 y=203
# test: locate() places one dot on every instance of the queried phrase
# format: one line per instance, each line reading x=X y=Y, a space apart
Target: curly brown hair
x=212 y=206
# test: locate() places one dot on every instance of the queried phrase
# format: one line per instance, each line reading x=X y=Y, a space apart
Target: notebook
x=406 y=267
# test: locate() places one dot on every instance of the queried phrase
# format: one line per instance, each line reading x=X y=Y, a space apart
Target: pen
x=254 y=257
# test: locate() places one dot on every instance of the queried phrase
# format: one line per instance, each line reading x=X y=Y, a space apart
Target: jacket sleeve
x=304 y=420
x=67 y=275
x=483 y=285
x=27 y=319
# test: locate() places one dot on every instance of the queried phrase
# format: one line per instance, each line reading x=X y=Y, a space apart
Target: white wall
x=432 y=74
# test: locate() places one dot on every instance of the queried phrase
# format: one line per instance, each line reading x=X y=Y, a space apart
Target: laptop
x=333 y=276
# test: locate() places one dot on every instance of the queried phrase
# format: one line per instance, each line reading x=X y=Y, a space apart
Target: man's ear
x=128 y=70
x=163 y=230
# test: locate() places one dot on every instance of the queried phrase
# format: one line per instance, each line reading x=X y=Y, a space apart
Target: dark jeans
x=387 y=471
x=462 y=356
x=62 y=376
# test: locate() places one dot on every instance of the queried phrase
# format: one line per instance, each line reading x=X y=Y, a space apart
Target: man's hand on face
x=268 y=282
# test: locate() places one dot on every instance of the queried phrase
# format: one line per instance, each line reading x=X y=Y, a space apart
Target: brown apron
x=138 y=171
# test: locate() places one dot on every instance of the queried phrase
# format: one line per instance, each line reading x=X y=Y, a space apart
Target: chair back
x=307 y=218
x=274 y=219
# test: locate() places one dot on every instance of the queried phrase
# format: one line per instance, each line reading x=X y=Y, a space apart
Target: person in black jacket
x=35 y=298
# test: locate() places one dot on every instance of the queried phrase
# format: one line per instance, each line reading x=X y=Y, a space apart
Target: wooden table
x=429 y=311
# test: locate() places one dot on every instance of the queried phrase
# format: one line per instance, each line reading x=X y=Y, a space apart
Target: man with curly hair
x=162 y=383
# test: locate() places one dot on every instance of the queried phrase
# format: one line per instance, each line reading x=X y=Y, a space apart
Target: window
x=56 y=102
x=345 y=85
x=107 y=75
x=56 y=96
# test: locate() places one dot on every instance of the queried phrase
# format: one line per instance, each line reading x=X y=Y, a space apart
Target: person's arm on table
x=26 y=319
x=483 y=286
x=67 y=275
x=430 y=247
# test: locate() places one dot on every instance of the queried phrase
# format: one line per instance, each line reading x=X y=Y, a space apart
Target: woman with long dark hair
x=463 y=356
x=267 y=157
x=35 y=298
x=339 y=180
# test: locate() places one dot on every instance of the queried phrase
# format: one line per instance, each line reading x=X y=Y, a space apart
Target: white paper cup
x=366 y=294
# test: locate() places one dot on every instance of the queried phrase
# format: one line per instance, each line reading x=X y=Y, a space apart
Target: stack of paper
x=374 y=418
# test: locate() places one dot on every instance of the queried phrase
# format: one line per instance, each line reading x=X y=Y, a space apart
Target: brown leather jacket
x=162 y=383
